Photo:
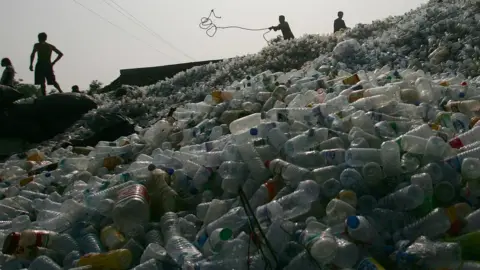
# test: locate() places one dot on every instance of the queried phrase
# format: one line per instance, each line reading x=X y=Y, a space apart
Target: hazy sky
x=94 y=49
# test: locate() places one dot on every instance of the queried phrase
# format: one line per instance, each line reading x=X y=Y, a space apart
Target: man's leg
x=55 y=84
x=40 y=79
x=43 y=88
x=51 y=80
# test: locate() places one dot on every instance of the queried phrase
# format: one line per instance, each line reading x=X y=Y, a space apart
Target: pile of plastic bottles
x=438 y=37
x=370 y=170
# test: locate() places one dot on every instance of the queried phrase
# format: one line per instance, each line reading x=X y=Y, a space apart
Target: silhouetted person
x=44 y=67
x=339 y=23
x=75 y=89
x=284 y=27
x=8 y=73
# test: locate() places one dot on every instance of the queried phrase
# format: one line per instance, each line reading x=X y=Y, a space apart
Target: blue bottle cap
x=353 y=222
x=297 y=235
x=48 y=174
x=253 y=131
x=202 y=239
x=170 y=171
x=461 y=95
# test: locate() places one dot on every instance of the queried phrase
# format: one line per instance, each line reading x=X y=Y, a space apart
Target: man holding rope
x=284 y=27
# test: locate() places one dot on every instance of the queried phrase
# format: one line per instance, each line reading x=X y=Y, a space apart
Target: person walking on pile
x=284 y=27
x=44 y=67
x=339 y=23
x=8 y=74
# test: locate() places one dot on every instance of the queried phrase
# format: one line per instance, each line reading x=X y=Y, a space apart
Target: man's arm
x=32 y=56
x=59 y=55
x=275 y=28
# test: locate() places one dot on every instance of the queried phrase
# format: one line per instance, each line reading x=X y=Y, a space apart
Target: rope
x=207 y=24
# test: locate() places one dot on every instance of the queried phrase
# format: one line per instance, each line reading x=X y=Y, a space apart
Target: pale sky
x=94 y=49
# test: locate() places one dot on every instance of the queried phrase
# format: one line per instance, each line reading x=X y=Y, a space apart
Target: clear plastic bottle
x=407 y=198
x=360 y=229
x=358 y=157
x=292 y=174
x=306 y=141
x=132 y=209
x=434 y=224
x=466 y=138
x=119 y=259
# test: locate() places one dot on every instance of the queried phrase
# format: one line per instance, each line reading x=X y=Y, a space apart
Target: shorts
x=44 y=72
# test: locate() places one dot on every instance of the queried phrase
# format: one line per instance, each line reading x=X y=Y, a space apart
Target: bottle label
x=308 y=239
x=354 y=96
x=454 y=162
x=25 y=181
x=111 y=162
x=42 y=238
x=452 y=214
x=112 y=238
x=352 y=80
x=133 y=190
x=454 y=107
x=115 y=260
x=330 y=156
x=271 y=190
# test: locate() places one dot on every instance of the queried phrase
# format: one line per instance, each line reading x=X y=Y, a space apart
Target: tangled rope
x=207 y=24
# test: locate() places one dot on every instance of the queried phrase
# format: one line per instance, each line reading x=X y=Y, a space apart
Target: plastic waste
x=342 y=163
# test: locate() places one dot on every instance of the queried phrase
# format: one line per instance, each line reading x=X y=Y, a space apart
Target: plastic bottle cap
x=353 y=222
x=151 y=167
x=10 y=243
x=253 y=131
x=461 y=95
x=463 y=84
x=202 y=239
x=267 y=163
x=297 y=235
x=48 y=174
x=170 y=171
x=225 y=234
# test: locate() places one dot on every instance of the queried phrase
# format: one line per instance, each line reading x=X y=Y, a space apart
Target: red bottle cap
x=456 y=143
x=10 y=244
x=267 y=164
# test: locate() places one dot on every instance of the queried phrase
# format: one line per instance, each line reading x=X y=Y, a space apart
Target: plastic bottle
x=119 y=259
x=132 y=209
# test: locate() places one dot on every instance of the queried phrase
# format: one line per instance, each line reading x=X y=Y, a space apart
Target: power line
x=120 y=28
x=134 y=19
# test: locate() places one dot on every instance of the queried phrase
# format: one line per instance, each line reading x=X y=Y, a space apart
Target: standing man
x=339 y=23
x=284 y=27
x=44 y=66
